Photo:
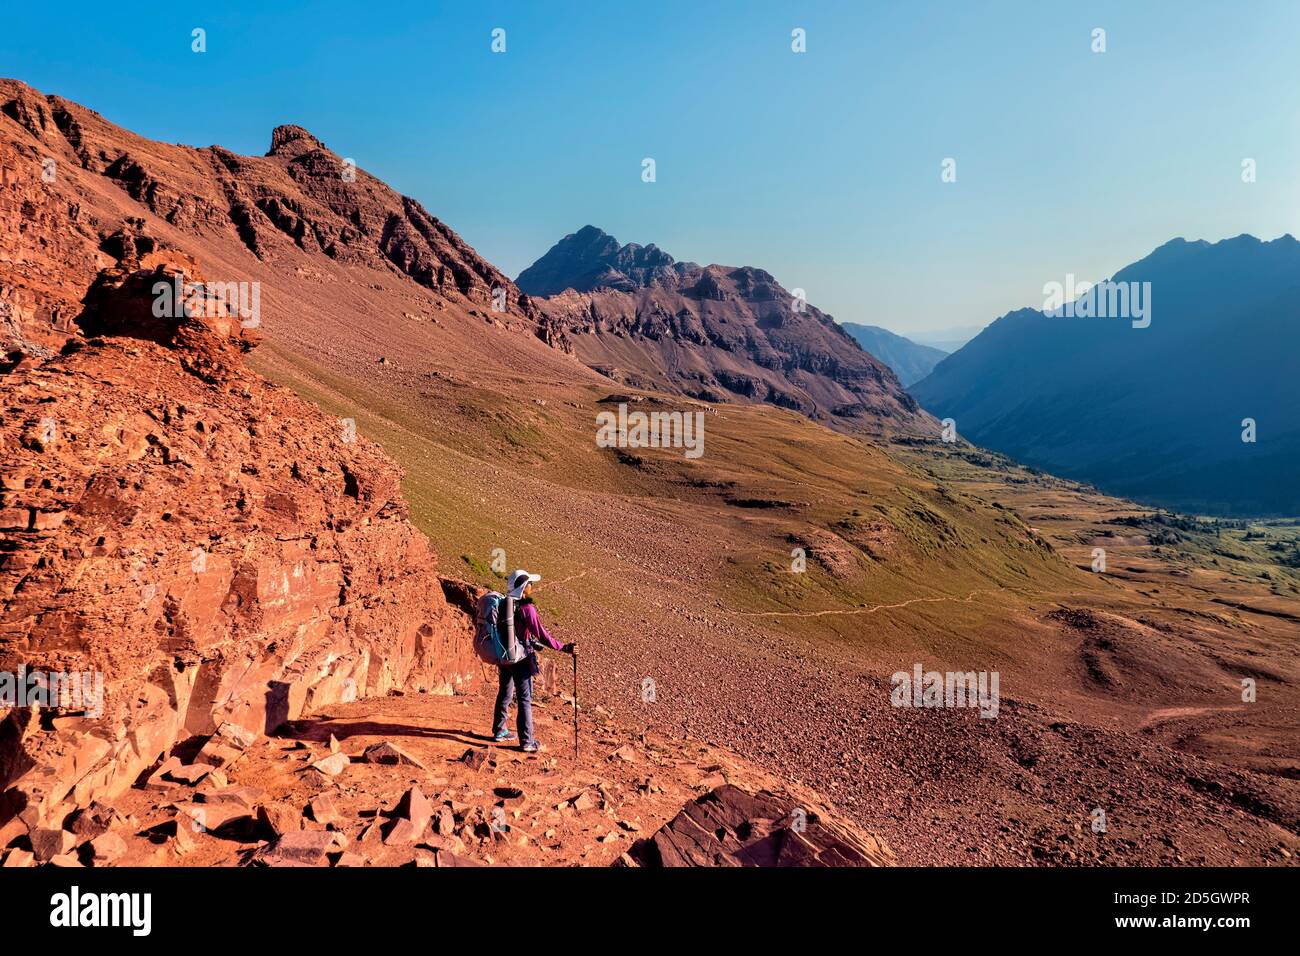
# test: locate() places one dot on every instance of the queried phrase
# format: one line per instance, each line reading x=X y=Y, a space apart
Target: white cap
x=519 y=579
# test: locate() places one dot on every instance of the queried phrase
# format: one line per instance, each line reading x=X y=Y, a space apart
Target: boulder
x=234 y=735
x=185 y=834
x=218 y=754
x=246 y=797
x=107 y=848
x=160 y=780
x=476 y=758
x=94 y=820
x=303 y=848
x=18 y=859
x=402 y=832
x=443 y=844
x=415 y=807
x=730 y=827
x=333 y=765
x=278 y=819
x=390 y=755
x=210 y=817
x=191 y=774
x=324 y=810
x=227 y=745
x=444 y=821
x=48 y=843
x=10 y=830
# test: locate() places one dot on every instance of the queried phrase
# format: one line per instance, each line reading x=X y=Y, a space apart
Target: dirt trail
x=870 y=609
x=849 y=612
x=1164 y=715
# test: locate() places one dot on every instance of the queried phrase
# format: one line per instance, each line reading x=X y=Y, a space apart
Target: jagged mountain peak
x=715 y=332
x=593 y=259
x=293 y=140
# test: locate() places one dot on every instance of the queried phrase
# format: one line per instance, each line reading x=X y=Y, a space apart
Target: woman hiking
x=516 y=680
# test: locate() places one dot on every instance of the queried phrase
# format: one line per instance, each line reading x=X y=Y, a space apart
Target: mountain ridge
x=713 y=333
x=911 y=361
x=1154 y=414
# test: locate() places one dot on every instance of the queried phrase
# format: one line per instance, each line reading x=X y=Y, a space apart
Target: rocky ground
x=413 y=779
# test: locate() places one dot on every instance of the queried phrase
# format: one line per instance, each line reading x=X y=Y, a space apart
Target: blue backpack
x=491 y=644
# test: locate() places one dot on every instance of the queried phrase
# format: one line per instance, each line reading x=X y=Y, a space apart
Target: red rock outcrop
x=730 y=827
x=223 y=553
x=68 y=178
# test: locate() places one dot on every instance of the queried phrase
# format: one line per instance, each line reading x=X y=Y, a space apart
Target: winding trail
x=1164 y=715
x=571 y=577
x=872 y=609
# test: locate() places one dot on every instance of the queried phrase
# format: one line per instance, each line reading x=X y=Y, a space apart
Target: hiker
x=516 y=680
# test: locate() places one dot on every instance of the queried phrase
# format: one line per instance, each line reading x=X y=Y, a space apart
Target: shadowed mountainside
x=911 y=362
x=1157 y=413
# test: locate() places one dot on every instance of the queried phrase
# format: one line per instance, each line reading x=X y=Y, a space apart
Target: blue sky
x=821 y=167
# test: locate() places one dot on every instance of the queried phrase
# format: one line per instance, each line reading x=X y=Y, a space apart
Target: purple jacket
x=529 y=628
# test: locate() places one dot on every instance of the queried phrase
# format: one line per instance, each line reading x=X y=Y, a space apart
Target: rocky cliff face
x=224 y=554
x=714 y=332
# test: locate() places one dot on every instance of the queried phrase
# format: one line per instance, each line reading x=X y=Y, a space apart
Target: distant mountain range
x=1157 y=413
x=716 y=333
x=910 y=361
x=948 y=339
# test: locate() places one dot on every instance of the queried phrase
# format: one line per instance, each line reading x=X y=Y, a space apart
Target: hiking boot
x=502 y=737
x=531 y=747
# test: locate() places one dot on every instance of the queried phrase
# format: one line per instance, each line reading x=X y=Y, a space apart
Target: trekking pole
x=575 y=704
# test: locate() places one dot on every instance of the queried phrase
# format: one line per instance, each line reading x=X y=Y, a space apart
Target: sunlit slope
x=506 y=460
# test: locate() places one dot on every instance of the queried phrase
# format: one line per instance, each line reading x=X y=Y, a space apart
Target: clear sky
x=821 y=167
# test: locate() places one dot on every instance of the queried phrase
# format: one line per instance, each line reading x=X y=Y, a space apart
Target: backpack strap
x=510 y=626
